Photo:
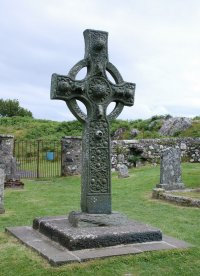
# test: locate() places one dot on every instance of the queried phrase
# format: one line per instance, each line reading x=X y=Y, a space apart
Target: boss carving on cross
x=96 y=92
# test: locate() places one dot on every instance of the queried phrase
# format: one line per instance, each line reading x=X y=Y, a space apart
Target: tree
x=10 y=108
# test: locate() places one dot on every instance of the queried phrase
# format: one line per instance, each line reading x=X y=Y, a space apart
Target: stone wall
x=1 y=190
x=71 y=155
x=130 y=152
x=150 y=149
x=6 y=153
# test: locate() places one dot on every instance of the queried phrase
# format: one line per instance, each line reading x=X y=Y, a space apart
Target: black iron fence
x=38 y=158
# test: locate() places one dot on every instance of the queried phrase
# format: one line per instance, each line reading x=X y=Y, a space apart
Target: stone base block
x=169 y=187
x=60 y=230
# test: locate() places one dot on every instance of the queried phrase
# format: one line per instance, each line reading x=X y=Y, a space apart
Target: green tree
x=10 y=108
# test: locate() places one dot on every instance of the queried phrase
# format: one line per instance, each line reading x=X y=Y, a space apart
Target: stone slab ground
x=57 y=254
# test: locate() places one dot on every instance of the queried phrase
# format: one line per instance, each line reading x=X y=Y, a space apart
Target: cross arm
x=124 y=93
x=65 y=88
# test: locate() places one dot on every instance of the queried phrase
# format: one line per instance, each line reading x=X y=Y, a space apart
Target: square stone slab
x=60 y=230
x=58 y=255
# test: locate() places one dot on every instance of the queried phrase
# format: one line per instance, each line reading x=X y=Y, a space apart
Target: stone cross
x=96 y=92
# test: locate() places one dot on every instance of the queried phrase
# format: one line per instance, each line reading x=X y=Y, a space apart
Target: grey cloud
x=155 y=44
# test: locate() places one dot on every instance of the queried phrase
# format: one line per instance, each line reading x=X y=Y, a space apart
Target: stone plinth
x=92 y=235
x=2 y=176
x=170 y=170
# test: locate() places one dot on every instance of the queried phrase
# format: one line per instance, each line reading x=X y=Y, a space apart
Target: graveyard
x=133 y=197
x=101 y=215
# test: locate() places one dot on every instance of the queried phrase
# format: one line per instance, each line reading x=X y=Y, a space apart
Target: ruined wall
x=130 y=152
x=71 y=155
x=150 y=148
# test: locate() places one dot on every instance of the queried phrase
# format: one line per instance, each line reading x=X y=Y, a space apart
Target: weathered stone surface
x=75 y=238
x=96 y=92
x=122 y=171
x=120 y=158
x=134 y=132
x=6 y=152
x=157 y=193
x=13 y=171
x=174 y=125
x=150 y=149
x=119 y=133
x=13 y=179
x=8 y=162
x=71 y=155
x=2 y=177
x=79 y=219
x=170 y=170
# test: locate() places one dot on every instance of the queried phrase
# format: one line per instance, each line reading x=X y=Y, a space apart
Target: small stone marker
x=122 y=171
x=170 y=169
x=2 y=177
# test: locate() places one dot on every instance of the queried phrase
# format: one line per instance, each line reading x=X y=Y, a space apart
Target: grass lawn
x=132 y=196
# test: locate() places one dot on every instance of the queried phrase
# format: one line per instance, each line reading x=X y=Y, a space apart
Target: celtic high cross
x=96 y=92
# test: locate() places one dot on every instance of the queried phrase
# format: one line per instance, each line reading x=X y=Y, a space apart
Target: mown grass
x=132 y=196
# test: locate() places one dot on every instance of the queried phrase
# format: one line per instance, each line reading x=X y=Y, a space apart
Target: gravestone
x=13 y=178
x=122 y=171
x=8 y=162
x=2 y=176
x=170 y=169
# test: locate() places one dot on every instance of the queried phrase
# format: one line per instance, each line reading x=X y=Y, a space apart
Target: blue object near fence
x=50 y=155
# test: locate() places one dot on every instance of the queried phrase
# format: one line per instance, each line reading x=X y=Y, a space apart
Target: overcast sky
x=153 y=43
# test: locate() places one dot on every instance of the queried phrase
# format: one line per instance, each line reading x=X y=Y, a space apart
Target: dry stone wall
x=150 y=149
x=144 y=150
x=71 y=155
x=2 y=210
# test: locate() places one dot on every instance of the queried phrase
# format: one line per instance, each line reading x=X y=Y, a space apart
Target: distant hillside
x=24 y=128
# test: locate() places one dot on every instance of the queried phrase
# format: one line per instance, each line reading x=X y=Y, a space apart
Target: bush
x=10 y=108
